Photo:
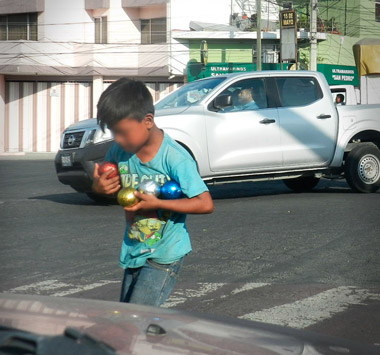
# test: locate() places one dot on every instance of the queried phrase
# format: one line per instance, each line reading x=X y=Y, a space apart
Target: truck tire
x=301 y=184
x=362 y=168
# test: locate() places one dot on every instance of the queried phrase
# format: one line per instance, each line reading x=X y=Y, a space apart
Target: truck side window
x=298 y=91
x=248 y=94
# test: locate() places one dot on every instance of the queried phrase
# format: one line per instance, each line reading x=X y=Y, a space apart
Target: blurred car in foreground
x=32 y=324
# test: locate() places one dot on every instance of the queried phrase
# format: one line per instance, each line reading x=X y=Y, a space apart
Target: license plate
x=66 y=160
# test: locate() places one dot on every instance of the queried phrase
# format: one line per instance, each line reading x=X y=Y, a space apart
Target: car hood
x=135 y=329
x=89 y=123
x=171 y=111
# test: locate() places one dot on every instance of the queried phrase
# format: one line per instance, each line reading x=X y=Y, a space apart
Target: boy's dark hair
x=124 y=98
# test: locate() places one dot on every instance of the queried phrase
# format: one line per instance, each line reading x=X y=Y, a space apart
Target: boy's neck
x=152 y=145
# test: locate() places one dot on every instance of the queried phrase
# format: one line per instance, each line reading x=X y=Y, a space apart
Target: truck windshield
x=189 y=94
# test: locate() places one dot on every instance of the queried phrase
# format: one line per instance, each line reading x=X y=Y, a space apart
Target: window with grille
x=153 y=31
x=19 y=27
x=101 y=29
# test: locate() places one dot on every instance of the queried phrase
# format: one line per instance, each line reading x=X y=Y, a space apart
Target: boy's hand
x=147 y=202
x=102 y=185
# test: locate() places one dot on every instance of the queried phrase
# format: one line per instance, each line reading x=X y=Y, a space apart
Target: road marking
x=314 y=309
x=44 y=287
x=182 y=295
x=249 y=286
x=37 y=287
x=82 y=288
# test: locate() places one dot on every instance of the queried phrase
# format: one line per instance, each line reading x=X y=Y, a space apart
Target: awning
x=141 y=3
x=97 y=4
x=21 y=6
x=204 y=26
x=367 y=56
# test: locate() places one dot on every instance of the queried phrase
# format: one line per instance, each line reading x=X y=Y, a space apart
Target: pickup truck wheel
x=362 y=169
x=301 y=184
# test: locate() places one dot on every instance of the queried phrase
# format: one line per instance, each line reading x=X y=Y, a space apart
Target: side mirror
x=222 y=101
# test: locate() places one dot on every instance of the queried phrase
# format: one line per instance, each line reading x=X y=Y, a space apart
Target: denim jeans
x=150 y=284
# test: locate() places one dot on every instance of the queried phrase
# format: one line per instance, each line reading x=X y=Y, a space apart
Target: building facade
x=57 y=57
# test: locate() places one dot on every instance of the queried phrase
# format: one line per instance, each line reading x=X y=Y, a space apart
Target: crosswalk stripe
x=182 y=295
x=45 y=287
x=306 y=312
x=38 y=287
x=249 y=286
x=82 y=288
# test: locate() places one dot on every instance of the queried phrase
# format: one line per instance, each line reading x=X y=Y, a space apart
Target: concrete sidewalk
x=27 y=156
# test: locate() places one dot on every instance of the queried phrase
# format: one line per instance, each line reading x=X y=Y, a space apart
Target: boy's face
x=132 y=134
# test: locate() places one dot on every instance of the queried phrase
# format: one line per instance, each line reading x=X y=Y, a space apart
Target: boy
x=156 y=238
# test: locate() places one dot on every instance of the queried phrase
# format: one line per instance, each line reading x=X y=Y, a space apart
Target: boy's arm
x=200 y=204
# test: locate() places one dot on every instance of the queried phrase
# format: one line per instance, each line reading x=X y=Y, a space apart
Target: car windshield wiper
x=72 y=341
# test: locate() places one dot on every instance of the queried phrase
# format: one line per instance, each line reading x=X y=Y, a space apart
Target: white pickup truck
x=254 y=126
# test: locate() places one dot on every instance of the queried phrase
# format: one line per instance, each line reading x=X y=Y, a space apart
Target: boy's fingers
x=140 y=195
x=109 y=172
x=95 y=173
x=133 y=208
x=114 y=179
x=114 y=189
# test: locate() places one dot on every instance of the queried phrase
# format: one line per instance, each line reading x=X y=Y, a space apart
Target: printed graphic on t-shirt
x=144 y=227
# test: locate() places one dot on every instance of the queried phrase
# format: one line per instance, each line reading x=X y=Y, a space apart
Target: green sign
x=195 y=70
x=335 y=74
x=339 y=74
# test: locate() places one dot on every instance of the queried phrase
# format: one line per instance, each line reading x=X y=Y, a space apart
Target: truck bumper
x=78 y=172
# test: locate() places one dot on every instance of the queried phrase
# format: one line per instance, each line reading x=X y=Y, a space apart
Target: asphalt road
x=309 y=261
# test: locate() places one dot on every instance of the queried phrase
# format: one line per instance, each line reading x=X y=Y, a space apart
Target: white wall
x=123 y=27
x=65 y=21
x=211 y=11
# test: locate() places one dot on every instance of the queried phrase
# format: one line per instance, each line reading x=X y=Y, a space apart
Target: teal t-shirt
x=158 y=235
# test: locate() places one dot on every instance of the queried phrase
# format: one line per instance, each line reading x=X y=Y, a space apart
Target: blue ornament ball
x=171 y=190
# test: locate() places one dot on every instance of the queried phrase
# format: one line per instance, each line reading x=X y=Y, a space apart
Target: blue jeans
x=150 y=284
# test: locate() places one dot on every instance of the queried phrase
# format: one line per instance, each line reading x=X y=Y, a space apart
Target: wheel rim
x=369 y=169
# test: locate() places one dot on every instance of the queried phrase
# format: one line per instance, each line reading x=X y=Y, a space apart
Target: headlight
x=98 y=136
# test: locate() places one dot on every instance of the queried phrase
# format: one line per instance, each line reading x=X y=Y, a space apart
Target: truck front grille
x=72 y=139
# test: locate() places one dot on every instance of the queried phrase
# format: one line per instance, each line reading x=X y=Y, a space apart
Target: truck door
x=308 y=122
x=246 y=135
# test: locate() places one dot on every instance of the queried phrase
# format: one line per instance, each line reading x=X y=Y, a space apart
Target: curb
x=27 y=156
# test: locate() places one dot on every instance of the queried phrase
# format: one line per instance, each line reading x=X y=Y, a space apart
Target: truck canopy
x=367 y=56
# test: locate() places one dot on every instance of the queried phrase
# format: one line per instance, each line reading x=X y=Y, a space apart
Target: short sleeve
x=186 y=174
x=111 y=154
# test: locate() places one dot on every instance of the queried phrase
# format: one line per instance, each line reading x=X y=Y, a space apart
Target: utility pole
x=313 y=35
x=258 y=36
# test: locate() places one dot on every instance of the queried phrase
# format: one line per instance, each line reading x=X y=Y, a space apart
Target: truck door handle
x=267 y=120
x=323 y=116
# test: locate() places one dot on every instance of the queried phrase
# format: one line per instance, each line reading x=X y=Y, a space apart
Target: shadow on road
x=74 y=198
x=218 y=192
x=271 y=188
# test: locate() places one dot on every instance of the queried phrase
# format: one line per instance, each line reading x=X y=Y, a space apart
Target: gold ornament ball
x=126 y=197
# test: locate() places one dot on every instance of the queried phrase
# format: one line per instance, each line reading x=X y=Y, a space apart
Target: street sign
x=288 y=19
x=288 y=34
